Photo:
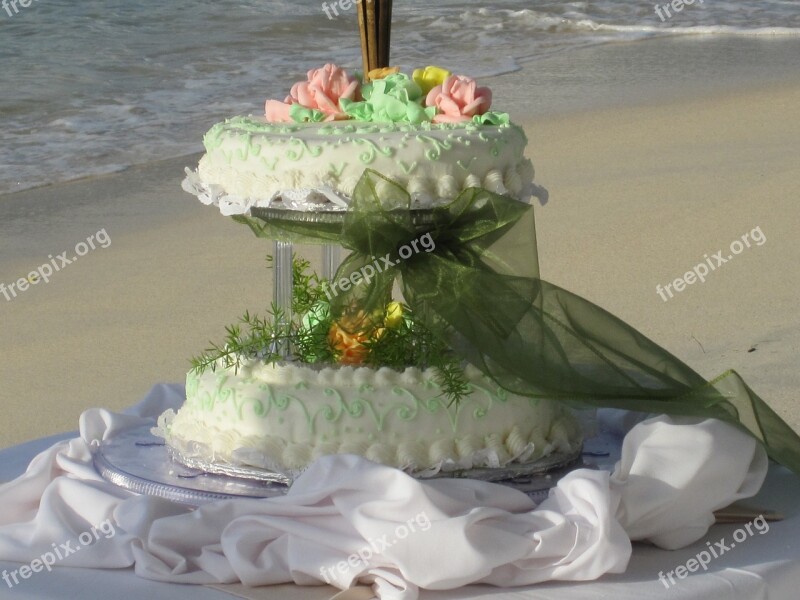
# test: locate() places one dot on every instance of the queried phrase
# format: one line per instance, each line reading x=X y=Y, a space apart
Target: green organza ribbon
x=479 y=286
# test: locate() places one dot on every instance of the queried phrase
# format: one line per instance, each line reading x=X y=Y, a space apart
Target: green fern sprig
x=252 y=336
x=408 y=343
x=412 y=343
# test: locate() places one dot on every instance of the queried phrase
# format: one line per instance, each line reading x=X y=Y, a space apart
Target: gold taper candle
x=385 y=32
x=362 y=25
x=372 y=39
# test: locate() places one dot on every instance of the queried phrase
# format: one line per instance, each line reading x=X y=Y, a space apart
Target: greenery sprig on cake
x=394 y=339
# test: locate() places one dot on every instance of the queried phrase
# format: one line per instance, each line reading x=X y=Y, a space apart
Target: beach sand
x=638 y=195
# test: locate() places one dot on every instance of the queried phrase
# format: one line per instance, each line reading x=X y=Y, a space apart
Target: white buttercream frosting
x=316 y=166
x=281 y=417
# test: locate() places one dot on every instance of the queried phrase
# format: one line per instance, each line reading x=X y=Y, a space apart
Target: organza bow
x=470 y=271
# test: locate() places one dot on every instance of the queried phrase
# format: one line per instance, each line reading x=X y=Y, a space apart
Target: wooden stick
x=741 y=513
x=372 y=28
x=389 y=17
x=377 y=62
x=362 y=25
x=384 y=32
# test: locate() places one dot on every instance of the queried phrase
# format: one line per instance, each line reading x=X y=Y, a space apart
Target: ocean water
x=95 y=86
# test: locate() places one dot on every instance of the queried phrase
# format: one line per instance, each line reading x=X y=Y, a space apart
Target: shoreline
x=611 y=75
x=630 y=74
x=638 y=195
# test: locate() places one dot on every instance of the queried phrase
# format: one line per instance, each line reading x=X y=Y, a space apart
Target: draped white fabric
x=347 y=520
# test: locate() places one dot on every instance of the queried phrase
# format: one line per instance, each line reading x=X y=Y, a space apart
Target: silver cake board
x=140 y=462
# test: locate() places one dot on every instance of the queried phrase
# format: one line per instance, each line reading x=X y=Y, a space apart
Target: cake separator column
x=331 y=259
x=283 y=283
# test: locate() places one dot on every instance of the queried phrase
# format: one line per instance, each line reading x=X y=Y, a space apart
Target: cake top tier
x=433 y=133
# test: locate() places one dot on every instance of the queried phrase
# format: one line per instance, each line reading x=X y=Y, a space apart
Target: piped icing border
x=442 y=455
x=354 y=393
x=328 y=198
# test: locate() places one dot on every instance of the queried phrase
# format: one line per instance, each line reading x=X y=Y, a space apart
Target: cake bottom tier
x=282 y=417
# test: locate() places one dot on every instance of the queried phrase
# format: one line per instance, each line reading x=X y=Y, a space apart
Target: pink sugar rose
x=459 y=99
x=323 y=90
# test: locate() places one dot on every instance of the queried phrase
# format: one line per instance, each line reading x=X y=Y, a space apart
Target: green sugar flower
x=395 y=99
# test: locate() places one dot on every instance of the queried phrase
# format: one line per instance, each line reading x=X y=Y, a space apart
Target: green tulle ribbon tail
x=473 y=276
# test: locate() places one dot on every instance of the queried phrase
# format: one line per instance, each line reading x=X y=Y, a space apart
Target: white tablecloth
x=762 y=566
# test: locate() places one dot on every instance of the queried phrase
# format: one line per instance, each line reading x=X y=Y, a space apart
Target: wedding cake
x=377 y=385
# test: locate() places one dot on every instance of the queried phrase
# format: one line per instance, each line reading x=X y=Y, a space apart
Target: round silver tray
x=515 y=471
x=140 y=462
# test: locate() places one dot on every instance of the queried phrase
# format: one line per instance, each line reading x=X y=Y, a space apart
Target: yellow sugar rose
x=394 y=315
x=429 y=77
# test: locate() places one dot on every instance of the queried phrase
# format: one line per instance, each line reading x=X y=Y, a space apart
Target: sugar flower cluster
x=432 y=94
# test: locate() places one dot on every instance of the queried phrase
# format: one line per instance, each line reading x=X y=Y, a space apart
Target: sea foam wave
x=91 y=87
